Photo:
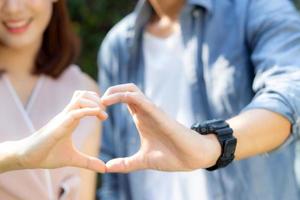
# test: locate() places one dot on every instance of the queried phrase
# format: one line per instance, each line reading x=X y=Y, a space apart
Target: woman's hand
x=52 y=146
x=165 y=144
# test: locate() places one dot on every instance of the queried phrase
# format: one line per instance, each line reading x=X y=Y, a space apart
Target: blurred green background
x=92 y=19
x=297 y=3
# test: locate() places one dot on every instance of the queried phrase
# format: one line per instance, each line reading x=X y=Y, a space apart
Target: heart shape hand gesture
x=165 y=144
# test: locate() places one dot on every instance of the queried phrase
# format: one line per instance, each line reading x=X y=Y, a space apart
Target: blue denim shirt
x=244 y=54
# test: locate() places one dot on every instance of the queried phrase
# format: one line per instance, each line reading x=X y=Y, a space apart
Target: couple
x=241 y=64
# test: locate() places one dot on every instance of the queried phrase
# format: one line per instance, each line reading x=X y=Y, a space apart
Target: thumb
x=88 y=162
x=125 y=165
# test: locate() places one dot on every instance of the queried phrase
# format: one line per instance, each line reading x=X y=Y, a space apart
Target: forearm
x=259 y=131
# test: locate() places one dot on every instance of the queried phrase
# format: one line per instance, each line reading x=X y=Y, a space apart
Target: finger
x=84 y=103
x=122 y=97
x=128 y=87
x=84 y=112
x=87 y=103
x=125 y=165
x=83 y=97
x=88 y=162
x=93 y=96
x=82 y=92
x=76 y=115
x=136 y=101
x=77 y=93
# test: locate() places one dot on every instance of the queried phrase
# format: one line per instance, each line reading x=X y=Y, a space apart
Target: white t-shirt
x=167 y=85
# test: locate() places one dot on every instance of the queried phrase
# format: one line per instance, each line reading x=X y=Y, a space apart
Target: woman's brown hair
x=60 y=45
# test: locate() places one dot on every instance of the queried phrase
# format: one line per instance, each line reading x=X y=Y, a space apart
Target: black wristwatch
x=225 y=136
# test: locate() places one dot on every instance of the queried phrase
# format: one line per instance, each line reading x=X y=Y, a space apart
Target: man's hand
x=165 y=144
x=168 y=146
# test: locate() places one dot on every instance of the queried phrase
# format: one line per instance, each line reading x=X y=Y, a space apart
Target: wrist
x=212 y=150
x=221 y=130
x=9 y=157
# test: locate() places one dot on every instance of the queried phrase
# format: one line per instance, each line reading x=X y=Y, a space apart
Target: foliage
x=297 y=3
x=92 y=19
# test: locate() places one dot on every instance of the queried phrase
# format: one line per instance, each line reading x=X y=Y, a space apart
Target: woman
x=37 y=49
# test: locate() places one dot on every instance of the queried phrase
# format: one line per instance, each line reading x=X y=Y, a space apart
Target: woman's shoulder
x=74 y=77
x=90 y=83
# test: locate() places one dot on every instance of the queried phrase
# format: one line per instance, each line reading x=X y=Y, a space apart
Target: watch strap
x=225 y=137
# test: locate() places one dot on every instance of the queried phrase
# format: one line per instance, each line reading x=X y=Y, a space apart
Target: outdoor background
x=92 y=19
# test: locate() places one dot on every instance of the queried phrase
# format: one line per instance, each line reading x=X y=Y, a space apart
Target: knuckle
x=77 y=92
x=124 y=97
x=109 y=90
x=93 y=94
x=132 y=85
x=84 y=93
x=77 y=101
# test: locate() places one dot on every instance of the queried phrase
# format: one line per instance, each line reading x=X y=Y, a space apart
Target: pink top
x=16 y=122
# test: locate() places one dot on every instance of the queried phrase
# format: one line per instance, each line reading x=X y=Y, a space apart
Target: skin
x=52 y=146
x=167 y=145
x=164 y=21
x=18 y=49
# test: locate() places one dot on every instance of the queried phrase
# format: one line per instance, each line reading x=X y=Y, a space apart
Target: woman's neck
x=18 y=62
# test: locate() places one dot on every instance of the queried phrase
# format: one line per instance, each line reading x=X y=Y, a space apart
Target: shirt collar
x=143 y=12
x=143 y=9
x=207 y=4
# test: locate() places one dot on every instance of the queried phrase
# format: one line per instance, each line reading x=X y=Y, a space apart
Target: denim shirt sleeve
x=273 y=34
x=109 y=188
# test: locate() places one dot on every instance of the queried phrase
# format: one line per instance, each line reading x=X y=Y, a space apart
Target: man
x=239 y=62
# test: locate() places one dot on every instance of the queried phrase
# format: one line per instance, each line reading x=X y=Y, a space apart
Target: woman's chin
x=18 y=43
